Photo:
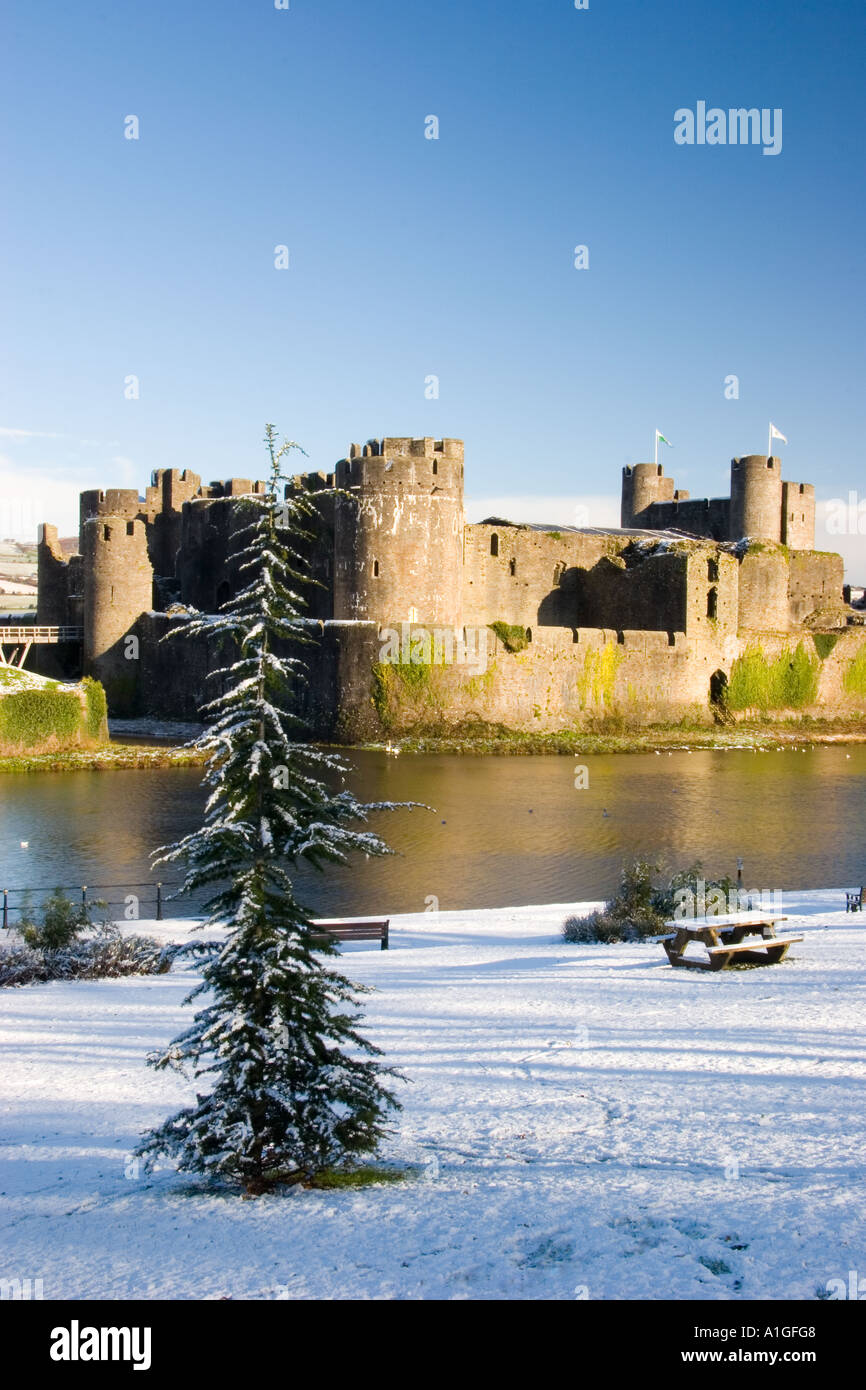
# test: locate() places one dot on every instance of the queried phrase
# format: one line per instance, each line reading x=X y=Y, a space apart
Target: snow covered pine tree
x=297 y=1089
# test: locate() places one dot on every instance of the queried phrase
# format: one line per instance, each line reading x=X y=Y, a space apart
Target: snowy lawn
x=585 y=1121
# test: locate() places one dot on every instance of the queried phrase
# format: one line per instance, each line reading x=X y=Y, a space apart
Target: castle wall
x=635 y=590
x=763 y=592
x=815 y=583
x=710 y=517
x=523 y=577
x=53 y=579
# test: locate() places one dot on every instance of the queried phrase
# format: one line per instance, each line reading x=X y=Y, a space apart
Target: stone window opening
x=558 y=572
x=130 y=528
x=512 y=566
x=106 y=533
x=713 y=603
x=435 y=465
x=375 y=569
x=494 y=545
x=712 y=570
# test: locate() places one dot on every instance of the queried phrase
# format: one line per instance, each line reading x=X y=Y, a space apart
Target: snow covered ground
x=585 y=1121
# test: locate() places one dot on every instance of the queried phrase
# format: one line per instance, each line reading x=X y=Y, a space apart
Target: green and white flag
x=660 y=436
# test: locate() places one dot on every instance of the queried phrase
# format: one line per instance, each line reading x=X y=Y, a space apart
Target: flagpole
x=770 y=441
x=657 y=449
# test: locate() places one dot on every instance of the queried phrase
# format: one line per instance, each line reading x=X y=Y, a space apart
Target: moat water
x=504 y=830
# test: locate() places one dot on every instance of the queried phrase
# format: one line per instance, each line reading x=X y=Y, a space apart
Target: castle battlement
x=760 y=507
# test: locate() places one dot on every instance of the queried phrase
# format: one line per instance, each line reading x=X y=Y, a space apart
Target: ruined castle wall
x=763 y=592
x=53 y=579
x=815 y=581
x=527 y=578
x=711 y=594
x=207 y=574
x=561 y=680
x=636 y=590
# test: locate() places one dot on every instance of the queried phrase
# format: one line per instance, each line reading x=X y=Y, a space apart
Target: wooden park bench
x=724 y=942
x=854 y=900
x=362 y=929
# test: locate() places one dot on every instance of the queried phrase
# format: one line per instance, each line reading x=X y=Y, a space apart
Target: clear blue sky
x=412 y=257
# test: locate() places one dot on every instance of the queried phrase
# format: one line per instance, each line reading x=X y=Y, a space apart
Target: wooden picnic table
x=742 y=938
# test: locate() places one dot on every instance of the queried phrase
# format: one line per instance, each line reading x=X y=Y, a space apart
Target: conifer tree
x=296 y=1088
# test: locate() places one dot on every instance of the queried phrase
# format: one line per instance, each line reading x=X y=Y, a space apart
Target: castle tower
x=756 y=498
x=118 y=588
x=114 y=501
x=642 y=485
x=169 y=490
x=798 y=516
x=399 y=538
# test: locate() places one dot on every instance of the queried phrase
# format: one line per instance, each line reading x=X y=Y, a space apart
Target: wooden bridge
x=20 y=639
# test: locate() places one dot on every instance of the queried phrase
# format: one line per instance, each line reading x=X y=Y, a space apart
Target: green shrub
x=33 y=717
x=512 y=636
x=628 y=916
x=62 y=922
x=639 y=909
x=788 y=682
x=96 y=708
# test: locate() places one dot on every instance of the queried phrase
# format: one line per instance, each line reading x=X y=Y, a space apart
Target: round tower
x=118 y=588
x=398 y=542
x=643 y=484
x=756 y=498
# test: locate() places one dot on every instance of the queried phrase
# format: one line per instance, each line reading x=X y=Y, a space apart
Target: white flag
x=776 y=434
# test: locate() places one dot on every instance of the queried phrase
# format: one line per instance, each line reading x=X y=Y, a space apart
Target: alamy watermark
x=434 y=646
x=698 y=902
x=737 y=126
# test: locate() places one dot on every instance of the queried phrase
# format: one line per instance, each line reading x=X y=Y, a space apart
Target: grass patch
x=855 y=677
x=512 y=636
x=789 y=681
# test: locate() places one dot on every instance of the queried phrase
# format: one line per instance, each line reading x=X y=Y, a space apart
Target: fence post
x=5 y=907
x=159 y=902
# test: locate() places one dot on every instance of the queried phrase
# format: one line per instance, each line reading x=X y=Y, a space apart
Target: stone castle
x=580 y=624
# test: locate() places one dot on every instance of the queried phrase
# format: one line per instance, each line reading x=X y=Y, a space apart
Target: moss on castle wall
x=596 y=684
x=854 y=679
x=824 y=643
x=789 y=681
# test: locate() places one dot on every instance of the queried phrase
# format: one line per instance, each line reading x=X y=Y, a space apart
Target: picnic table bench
x=854 y=900
x=724 y=942
x=361 y=929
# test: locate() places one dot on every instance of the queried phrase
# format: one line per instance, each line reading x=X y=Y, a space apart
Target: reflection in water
x=505 y=830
